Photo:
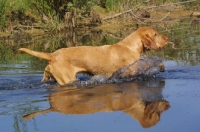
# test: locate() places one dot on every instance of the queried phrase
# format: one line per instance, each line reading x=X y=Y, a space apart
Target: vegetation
x=23 y=20
x=64 y=13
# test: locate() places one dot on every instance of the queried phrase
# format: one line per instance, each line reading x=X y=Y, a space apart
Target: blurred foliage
x=56 y=9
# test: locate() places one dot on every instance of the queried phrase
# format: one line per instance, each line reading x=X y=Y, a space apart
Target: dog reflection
x=143 y=101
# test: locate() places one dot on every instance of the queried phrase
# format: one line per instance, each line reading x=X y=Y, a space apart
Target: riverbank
x=162 y=16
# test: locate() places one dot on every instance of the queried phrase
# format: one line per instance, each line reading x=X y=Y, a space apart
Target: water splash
x=142 y=69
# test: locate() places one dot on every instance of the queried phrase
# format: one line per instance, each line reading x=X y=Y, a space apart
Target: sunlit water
x=168 y=103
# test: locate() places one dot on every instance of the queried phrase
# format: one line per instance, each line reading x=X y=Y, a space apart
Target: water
x=168 y=103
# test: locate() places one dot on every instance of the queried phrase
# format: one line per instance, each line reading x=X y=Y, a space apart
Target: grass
x=53 y=9
x=3 y=10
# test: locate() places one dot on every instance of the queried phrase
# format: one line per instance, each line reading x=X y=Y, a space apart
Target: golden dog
x=142 y=101
x=65 y=63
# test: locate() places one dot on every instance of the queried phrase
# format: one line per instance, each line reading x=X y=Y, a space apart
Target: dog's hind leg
x=62 y=73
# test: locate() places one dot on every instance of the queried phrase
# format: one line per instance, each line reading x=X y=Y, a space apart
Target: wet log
x=142 y=69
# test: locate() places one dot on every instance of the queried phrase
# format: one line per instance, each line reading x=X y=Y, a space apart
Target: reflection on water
x=183 y=49
x=22 y=93
x=143 y=101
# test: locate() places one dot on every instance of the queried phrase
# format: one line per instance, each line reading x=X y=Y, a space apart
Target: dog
x=65 y=63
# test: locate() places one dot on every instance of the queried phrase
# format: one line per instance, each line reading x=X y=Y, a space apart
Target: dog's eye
x=155 y=34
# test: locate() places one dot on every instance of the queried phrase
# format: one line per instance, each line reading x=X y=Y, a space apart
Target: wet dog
x=65 y=63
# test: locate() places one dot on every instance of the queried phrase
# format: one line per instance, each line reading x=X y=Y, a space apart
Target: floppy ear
x=149 y=42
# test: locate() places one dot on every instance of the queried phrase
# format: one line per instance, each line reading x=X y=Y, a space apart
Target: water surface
x=168 y=103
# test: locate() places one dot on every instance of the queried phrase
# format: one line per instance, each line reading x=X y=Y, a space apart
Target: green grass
x=54 y=8
x=3 y=9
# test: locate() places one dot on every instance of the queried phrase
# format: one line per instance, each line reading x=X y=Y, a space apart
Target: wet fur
x=65 y=63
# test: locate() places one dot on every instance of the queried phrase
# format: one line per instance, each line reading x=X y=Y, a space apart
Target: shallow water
x=168 y=103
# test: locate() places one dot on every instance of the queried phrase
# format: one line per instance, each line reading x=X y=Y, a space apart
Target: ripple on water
x=13 y=69
x=184 y=72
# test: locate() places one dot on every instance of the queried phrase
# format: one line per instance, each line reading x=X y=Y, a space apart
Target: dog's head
x=151 y=39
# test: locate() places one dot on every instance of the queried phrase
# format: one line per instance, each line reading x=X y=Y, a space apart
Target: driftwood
x=196 y=14
x=116 y=15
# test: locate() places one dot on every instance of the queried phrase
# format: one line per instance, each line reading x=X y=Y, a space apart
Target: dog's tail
x=41 y=55
x=29 y=116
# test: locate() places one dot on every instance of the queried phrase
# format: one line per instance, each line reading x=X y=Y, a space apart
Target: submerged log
x=142 y=69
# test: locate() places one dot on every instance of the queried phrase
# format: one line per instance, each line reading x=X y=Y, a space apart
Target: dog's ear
x=148 y=42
